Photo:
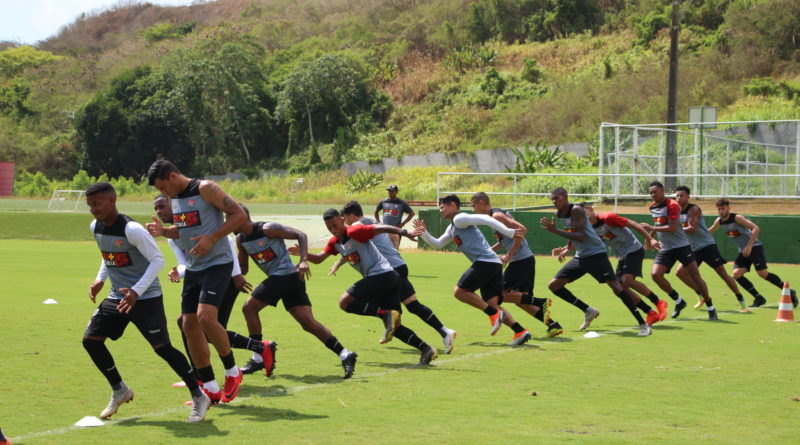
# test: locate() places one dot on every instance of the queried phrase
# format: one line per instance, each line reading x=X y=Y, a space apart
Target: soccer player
x=264 y=243
x=131 y=258
x=744 y=233
x=377 y=294
x=520 y=265
x=264 y=350
x=486 y=271
x=198 y=208
x=353 y=214
x=393 y=209
x=703 y=245
x=615 y=231
x=590 y=257
x=674 y=247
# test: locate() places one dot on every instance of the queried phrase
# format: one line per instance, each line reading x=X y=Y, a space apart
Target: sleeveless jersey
x=124 y=263
x=359 y=251
x=524 y=251
x=613 y=230
x=739 y=234
x=701 y=237
x=470 y=242
x=591 y=245
x=662 y=213
x=195 y=216
x=385 y=246
x=269 y=254
x=393 y=210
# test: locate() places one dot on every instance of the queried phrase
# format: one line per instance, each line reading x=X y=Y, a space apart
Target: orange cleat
x=652 y=318
x=662 y=309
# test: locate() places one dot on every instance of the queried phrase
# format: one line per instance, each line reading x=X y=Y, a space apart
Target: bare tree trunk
x=310 y=126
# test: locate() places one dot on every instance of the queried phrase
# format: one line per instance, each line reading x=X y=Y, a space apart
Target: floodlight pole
x=671 y=161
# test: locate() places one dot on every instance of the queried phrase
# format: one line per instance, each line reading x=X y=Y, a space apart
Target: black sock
x=228 y=361
x=626 y=298
x=239 y=341
x=674 y=295
x=748 y=286
x=185 y=342
x=426 y=314
x=257 y=337
x=740 y=298
x=179 y=364
x=205 y=374
x=709 y=303
x=408 y=337
x=490 y=310
x=772 y=278
x=517 y=328
x=567 y=296
x=528 y=299
x=333 y=344
x=652 y=297
x=361 y=307
x=539 y=316
x=102 y=358
x=644 y=307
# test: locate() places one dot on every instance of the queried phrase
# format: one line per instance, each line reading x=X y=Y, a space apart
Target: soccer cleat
x=758 y=302
x=391 y=321
x=546 y=309
x=449 y=340
x=252 y=366
x=349 y=365
x=428 y=355
x=662 y=309
x=554 y=330
x=180 y=384
x=652 y=318
x=231 y=387
x=712 y=315
x=644 y=330
x=794 y=297
x=700 y=303
x=520 y=338
x=590 y=314
x=123 y=395
x=678 y=308
x=268 y=356
x=3 y=439
x=215 y=397
x=496 y=320
x=200 y=405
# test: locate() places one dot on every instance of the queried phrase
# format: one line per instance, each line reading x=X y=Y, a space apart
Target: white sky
x=29 y=21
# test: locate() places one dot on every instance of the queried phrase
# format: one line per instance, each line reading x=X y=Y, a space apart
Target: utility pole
x=671 y=161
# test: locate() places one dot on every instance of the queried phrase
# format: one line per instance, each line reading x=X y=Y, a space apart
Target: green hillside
x=237 y=85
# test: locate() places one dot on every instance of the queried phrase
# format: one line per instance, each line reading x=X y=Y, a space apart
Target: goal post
x=65 y=200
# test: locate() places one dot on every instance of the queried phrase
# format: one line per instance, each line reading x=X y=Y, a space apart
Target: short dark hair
x=559 y=191
x=656 y=184
x=583 y=204
x=684 y=189
x=160 y=170
x=161 y=196
x=723 y=202
x=352 y=208
x=330 y=214
x=450 y=198
x=480 y=196
x=100 y=187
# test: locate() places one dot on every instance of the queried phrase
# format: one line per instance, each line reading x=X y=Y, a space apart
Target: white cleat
x=590 y=314
x=644 y=330
x=199 y=407
x=123 y=395
x=449 y=340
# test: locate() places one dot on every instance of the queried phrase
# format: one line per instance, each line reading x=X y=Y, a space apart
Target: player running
x=131 y=258
x=520 y=265
x=485 y=272
x=674 y=247
x=264 y=243
x=744 y=234
x=590 y=257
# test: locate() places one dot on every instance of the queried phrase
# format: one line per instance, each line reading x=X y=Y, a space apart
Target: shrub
x=362 y=180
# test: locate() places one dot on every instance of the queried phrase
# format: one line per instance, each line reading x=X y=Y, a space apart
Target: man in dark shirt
x=393 y=209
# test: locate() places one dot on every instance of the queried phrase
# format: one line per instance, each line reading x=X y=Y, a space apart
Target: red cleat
x=652 y=318
x=662 y=309
x=215 y=397
x=268 y=356
x=231 y=387
x=496 y=321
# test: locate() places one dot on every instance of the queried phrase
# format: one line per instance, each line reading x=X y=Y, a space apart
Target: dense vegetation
x=239 y=85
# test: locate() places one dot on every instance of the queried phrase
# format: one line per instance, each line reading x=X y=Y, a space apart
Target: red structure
x=6 y=178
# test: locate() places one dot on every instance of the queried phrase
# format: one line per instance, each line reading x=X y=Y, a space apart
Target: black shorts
x=755 y=259
x=289 y=288
x=382 y=289
x=670 y=257
x=597 y=266
x=709 y=255
x=207 y=286
x=488 y=277
x=147 y=315
x=406 y=288
x=631 y=264
x=519 y=275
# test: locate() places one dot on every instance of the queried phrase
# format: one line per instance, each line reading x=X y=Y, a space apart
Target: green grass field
x=692 y=381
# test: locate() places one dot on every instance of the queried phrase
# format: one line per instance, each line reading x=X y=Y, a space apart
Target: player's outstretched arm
x=437 y=243
x=275 y=230
x=754 y=231
x=648 y=239
x=578 y=232
x=715 y=226
x=156 y=229
x=511 y=223
x=235 y=216
x=241 y=254
x=692 y=221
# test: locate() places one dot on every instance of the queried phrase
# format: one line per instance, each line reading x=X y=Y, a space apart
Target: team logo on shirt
x=263 y=256
x=116 y=259
x=187 y=219
x=608 y=235
x=392 y=212
x=191 y=202
x=499 y=236
x=685 y=224
x=458 y=241
x=569 y=229
x=354 y=257
x=262 y=243
x=733 y=233
x=118 y=243
x=660 y=220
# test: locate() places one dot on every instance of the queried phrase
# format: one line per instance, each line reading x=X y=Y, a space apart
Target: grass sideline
x=731 y=381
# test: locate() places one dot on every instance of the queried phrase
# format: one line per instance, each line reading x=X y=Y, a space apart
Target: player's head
x=335 y=223
x=392 y=190
x=560 y=197
x=163 y=207
x=102 y=200
x=723 y=207
x=352 y=212
x=656 y=190
x=480 y=203
x=449 y=205
x=682 y=193
x=247 y=220
x=164 y=176
x=246 y=211
x=588 y=208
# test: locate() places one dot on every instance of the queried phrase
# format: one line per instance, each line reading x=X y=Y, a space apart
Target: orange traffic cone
x=785 y=308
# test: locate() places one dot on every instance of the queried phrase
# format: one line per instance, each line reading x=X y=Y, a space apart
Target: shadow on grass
x=262 y=413
x=500 y=345
x=180 y=428
x=314 y=379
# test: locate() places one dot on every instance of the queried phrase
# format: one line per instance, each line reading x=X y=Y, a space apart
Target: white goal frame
x=54 y=198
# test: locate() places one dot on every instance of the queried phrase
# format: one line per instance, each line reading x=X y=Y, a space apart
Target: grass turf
x=731 y=381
